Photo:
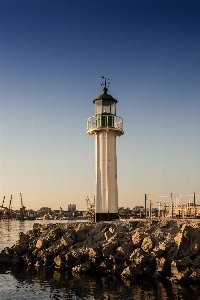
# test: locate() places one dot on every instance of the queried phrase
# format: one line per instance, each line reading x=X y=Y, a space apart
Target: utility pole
x=195 y=214
x=145 y=205
x=150 y=208
x=172 y=210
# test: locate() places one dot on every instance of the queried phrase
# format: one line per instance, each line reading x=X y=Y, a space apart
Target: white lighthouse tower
x=105 y=126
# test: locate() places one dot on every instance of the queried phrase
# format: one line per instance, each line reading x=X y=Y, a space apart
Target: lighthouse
x=105 y=126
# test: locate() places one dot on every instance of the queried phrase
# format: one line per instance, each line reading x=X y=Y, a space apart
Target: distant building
x=72 y=207
x=45 y=209
x=31 y=214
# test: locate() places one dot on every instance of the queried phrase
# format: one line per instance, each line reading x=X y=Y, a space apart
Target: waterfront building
x=45 y=209
x=71 y=207
x=105 y=126
x=31 y=215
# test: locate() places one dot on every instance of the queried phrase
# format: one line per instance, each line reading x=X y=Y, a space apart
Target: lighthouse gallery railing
x=104 y=121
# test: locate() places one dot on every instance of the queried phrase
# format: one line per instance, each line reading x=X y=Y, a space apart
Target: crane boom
x=10 y=202
x=21 y=200
x=3 y=202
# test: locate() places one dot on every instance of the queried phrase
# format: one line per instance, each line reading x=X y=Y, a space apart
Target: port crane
x=21 y=200
x=90 y=208
x=3 y=202
x=22 y=212
x=7 y=211
x=10 y=203
x=1 y=209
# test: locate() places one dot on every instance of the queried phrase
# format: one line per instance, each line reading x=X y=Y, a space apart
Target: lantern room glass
x=105 y=107
x=98 y=107
x=113 y=108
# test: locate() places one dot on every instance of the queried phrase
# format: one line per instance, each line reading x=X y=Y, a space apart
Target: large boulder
x=147 y=244
x=23 y=239
x=95 y=256
x=108 y=250
x=139 y=258
x=5 y=259
x=41 y=244
x=76 y=257
x=137 y=238
x=163 y=267
x=166 y=244
x=108 y=234
x=82 y=268
x=181 y=271
x=81 y=235
x=188 y=242
x=124 y=251
x=60 y=262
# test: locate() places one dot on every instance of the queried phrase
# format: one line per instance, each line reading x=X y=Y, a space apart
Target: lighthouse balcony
x=99 y=122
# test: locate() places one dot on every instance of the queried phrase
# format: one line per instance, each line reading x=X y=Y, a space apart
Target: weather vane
x=104 y=83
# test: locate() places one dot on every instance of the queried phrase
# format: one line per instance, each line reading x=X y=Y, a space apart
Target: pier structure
x=105 y=126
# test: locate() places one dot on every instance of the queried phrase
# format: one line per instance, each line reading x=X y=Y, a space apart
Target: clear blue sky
x=52 y=57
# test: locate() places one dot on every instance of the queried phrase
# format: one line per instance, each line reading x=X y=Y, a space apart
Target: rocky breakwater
x=133 y=249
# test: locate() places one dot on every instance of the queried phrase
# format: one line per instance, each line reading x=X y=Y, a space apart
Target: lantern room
x=105 y=104
x=105 y=109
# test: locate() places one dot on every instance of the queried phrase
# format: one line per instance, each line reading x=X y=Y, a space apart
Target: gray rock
x=137 y=238
x=41 y=244
x=147 y=244
x=60 y=262
x=109 y=249
x=66 y=240
x=188 y=241
x=5 y=259
x=108 y=234
x=125 y=250
x=182 y=272
x=196 y=262
x=82 y=268
x=162 y=265
x=81 y=235
x=165 y=245
x=139 y=258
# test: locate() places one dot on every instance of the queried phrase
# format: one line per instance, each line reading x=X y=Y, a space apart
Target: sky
x=53 y=55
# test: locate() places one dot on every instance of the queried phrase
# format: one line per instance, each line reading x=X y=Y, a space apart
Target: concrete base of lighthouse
x=106 y=204
x=106 y=216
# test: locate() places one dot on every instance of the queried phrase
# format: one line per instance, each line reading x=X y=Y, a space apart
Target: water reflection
x=45 y=284
x=22 y=226
x=7 y=225
x=5 y=231
x=10 y=229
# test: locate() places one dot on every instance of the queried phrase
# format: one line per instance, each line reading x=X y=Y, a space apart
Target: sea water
x=24 y=283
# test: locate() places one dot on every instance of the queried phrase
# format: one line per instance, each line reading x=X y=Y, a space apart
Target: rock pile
x=134 y=248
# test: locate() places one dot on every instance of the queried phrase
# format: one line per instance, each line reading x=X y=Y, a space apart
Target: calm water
x=9 y=230
x=23 y=283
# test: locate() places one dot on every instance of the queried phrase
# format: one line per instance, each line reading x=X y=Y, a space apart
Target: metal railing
x=104 y=121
